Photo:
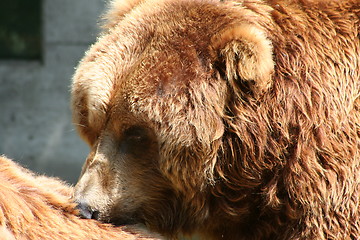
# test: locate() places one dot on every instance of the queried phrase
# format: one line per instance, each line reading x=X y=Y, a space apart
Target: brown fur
x=233 y=119
x=39 y=207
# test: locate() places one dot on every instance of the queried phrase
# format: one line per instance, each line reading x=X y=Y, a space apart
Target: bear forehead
x=147 y=57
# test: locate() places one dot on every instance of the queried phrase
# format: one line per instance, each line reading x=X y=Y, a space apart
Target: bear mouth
x=86 y=212
x=123 y=220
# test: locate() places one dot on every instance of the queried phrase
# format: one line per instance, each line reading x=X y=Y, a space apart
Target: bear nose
x=87 y=212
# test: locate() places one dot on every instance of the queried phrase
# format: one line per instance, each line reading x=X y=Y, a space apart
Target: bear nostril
x=86 y=212
x=95 y=215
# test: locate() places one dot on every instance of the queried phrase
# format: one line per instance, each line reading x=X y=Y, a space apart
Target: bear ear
x=243 y=55
x=116 y=11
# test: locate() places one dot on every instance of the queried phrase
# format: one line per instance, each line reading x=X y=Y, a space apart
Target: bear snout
x=86 y=212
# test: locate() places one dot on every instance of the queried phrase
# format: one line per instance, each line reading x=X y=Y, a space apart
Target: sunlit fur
x=34 y=207
x=246 y=118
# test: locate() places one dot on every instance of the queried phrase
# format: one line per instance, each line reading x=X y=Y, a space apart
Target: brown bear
x=229 y=119
x=34 y=207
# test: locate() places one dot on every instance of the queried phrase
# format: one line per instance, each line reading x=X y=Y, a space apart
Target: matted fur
x=232 y=119
x=38 y=207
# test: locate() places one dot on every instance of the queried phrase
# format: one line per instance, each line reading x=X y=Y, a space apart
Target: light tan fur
x=36 y=207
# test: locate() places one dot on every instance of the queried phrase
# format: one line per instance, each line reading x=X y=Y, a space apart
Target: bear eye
x=135 y=141
x=135 y=134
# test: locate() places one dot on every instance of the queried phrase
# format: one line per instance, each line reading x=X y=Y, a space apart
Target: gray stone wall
x=35 y=117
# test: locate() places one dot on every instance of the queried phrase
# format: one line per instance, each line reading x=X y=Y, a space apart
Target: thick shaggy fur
x=38 y=207
x=233 y=119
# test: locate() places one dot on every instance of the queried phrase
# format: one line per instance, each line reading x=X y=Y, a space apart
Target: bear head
x=155 y=97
